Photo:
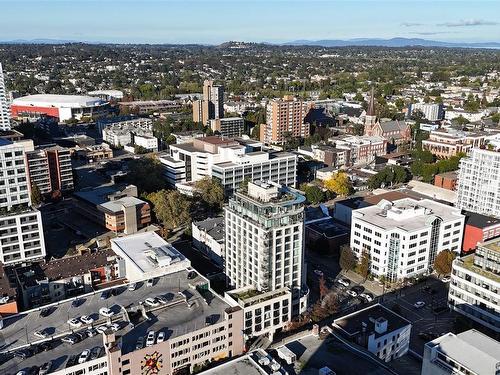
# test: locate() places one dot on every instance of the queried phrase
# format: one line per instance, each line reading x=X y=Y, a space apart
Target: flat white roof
x=59 y=101
x=148 y=253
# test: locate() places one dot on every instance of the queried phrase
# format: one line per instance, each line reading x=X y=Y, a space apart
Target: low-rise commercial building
x=143 y=107
x=478 y=228
x=467 y=353
x=362 y=149
x=403 y=237
x=447 y=180
x=379 y=330
x=475 y=285
x=445 y=143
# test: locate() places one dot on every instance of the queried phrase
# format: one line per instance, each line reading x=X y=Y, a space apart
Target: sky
x=274 y=21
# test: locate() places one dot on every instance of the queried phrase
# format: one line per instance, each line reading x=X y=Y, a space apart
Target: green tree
x=364 y=264
x=256 y=132
x=347 y=259
x=314 y=194
x=339 y=184
x=171 y=208
x=146 y=174
x=36 y=195
x=443 y=262
x=210 y=191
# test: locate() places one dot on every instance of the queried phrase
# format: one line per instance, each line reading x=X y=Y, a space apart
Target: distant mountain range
x=393 y=42
x=38 y=41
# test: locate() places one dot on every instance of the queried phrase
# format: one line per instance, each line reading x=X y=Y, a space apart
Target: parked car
x=70 y=339
x=23 y=353
x=96 y=352
x=344 y=282
x=446 y=279
x=45 y=346
x=358 y=289
x=45 y=368
x=115 y=327
x=153 y=302
x=419 y=304
x=352 y=293
x=41 y=333
x=149 y=282
x=104 y=311
x=191 y=275
x=140 y=343
x=91 y=332
x=75 y=322
x=72 y=361
x=160 y=337
x=105 y=294
x=80 y=335
x=162 y=299
x=47 y=311
x=150 y=340
x=132 y=286
x=84 y=356
x=367 y=296
x=102 y=328
x=87 y=319
x=76 y=302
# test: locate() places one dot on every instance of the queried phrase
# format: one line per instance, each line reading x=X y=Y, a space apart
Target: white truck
x=286 y=354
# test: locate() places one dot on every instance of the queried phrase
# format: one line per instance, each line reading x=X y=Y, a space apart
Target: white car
x=104 y=311
x=153 y=302
x=149 y=282
x=161 y=337
x=419 y=304
x=343 y=282
x=446 y=279
x=132 y=286
x=367 y=297
x=102 y=328
x=84 y=356
x=86 y=319
x=352 y=293
x=150 y=340
x=91 y=332
x=115 y=327
x=75 y=322
x=41 y=334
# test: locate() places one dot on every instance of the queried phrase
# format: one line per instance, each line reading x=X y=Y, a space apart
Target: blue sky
x=204 y=21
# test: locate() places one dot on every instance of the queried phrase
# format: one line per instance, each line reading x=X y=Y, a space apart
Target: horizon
x=276 y=21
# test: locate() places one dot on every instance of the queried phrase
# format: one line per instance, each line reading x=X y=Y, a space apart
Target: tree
x=364 y=264
x=314 y=194
x=146 y=174
x=171 y=208
x=36 y=195
x=347 y=259
x=210 y=191
x=443 y=262
x=339 y=184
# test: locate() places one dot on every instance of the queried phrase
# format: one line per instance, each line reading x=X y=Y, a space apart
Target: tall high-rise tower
x=211 y=107
x=4 y=106
x=371 y=117
x=265 y=240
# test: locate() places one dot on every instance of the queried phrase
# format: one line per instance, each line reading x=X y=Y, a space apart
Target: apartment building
x=379 y=330
x=228 y=127
x=403 y=237
x=478 y=181
x=208 y=237
x=231 y=161
x=131 y=132
x=50 y=169
x=445 y=143
x=21 y=232
x=264 y=251
x=431 y=111
x=144 y=107
x=475 y=285
x=362 y=149
x=125 y=122
x=211 y=106
x=285 y=117
x=4 y=104
x=468 y=353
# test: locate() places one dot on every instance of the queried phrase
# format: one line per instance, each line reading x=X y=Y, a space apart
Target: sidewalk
x=372 y=286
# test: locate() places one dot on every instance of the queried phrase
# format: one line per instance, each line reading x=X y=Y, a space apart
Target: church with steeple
x=394 y=131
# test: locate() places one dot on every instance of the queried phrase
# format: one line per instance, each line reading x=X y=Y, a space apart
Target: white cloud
x=468 y=23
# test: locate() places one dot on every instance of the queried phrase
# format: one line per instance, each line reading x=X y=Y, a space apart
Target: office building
x=404 y=236
x=50 y=169
x=431 y=112
x=285 y=118
x=228 y=127
x=21 y=232
x=115 y=207
x=4 y=104
x=362 y=149
x=264 y=252
x=475 y=285
x=468 y=353
x=379 y=330
x=211 y=106
x=478 y=181
x=231 y=161
x=450 y=142
x=61 y=107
